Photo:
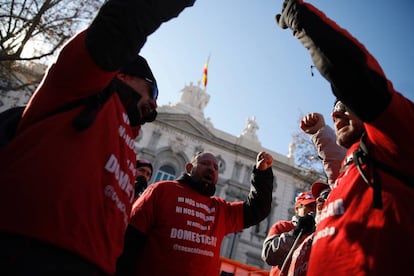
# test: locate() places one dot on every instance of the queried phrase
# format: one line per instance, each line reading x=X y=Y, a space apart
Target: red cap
x=304 y=198
x=318 y=187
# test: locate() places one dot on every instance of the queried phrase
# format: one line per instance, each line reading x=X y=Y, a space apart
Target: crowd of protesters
x=76 y=200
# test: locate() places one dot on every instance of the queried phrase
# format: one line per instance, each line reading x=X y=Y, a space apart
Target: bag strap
x=361 y=156
x=93 y=104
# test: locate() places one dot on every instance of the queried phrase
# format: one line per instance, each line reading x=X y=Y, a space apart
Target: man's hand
x=306 y=224
x=286 y=19
x=263 y=161
x=312 y=122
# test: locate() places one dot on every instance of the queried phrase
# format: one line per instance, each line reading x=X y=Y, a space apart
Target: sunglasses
x=323 y=196
x=154 y=88
x=340 y=107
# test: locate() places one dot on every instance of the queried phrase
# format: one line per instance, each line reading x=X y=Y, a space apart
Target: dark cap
x=139 y=67
x=144 y=163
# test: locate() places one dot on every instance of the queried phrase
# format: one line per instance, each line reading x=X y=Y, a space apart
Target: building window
x=165 y=173
x=221 y=164
x=237 y=171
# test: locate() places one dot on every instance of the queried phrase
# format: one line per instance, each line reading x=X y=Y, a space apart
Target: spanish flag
x=205 y=71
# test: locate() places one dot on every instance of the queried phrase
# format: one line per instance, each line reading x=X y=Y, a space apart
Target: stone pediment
x=185 y=123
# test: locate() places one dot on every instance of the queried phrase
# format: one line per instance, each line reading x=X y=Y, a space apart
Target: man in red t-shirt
x=369 y=212
x=68 y=177
x=177 y=227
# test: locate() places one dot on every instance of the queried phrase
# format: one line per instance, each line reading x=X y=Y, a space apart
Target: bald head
x=203 y=169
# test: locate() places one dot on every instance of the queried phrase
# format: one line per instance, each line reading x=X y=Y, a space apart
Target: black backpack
x=10 y=118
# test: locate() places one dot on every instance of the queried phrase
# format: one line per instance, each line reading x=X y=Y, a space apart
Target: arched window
x=165 y=173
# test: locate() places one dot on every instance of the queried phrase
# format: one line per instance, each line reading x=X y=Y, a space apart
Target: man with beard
x=142 y=176
x=67 y=176
x=177 y=226
x=369 y=212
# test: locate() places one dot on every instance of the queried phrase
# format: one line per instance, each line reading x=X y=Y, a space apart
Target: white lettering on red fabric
x=130 y=142
x=187 y=211
x=198 y=225
x=327 y=231
x=190 y=201
x=205 y=207
x=181 y=234
x=335 y=208
x=192 y=212
x=124 y=182
x=111 y=194
x=193 y=250
x=131 y=165
x=125 y=118
x=178 y=209
x=198 y=217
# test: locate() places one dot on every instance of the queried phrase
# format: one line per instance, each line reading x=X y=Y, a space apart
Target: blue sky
x=257 y=69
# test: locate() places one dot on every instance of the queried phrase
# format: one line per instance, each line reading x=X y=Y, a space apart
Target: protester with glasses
x=331 y=154
x=324 y=140
x=67 y=177
x=370 y=210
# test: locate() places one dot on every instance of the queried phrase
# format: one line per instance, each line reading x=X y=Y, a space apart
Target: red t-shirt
x=69 y=188
x=184 y=229
x=353 y=238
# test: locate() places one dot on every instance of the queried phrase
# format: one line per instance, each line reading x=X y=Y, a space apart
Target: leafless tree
x=305 y=154
x=32 y=31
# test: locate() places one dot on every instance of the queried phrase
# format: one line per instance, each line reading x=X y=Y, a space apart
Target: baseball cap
x=318 y=187
x=139 y=67
x=144 y=163
x=304 y=198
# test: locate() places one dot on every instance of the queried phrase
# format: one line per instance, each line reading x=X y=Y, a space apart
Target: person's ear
x=121 y=76
x=188 y=167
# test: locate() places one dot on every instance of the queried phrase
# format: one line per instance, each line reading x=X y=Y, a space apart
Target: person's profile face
x=147 y=104
x=348 y=128
x=145 y=101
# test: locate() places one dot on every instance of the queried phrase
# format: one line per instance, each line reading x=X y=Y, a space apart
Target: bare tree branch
x=33 y=30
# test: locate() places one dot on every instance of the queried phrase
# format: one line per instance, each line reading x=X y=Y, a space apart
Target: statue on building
x=195 y=97
x=251 y=128
x=292 y=147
